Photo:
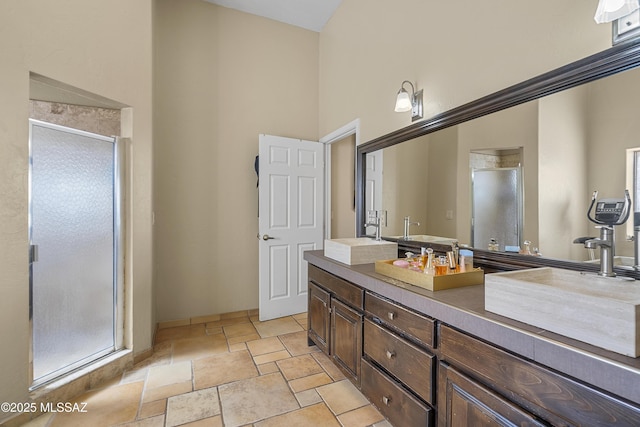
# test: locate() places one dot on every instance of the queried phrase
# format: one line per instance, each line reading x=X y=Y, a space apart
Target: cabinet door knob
x=386 y=400
x=390 y=354
x=391 y=315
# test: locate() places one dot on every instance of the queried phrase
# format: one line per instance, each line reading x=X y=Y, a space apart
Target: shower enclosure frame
x=119 y=162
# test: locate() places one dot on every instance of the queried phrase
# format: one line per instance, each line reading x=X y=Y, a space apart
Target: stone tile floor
x=235 y=373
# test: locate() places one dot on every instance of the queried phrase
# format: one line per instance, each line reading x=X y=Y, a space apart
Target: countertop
x=463 y=308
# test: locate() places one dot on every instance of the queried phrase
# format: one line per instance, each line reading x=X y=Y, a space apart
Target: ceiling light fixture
x=406 y=102
x=611 y=10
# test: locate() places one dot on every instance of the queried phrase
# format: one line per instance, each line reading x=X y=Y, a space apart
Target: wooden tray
x=427 y=281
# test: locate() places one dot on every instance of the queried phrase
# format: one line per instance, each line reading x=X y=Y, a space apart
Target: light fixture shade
x=611 y=10
x=403 y=101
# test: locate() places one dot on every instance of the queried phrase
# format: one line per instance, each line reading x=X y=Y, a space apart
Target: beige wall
x=455 y=51
x=563 y=193
x=512 y=128
x=613 y=127
x=443 y=183
x=222 y=77
x=103 y=47
x=343 y=212
x=405 y=186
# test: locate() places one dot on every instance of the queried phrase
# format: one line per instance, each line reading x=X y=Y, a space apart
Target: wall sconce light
x=611 y=10
x=406 y=102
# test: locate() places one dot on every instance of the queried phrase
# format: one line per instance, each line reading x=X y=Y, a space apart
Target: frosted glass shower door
x=73 y=228
x=497 y=207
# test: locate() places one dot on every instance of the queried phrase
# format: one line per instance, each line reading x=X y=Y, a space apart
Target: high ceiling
x=309 y=14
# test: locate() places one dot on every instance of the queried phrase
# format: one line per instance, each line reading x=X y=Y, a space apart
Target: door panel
x=290 y=221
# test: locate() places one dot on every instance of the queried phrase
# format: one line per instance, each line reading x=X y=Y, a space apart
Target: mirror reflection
x=554 y=152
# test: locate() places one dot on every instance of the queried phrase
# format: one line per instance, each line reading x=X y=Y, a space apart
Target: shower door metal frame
x=119 y=161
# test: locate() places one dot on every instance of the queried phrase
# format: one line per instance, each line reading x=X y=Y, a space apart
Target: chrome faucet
x=607 y=249
x=375 y=219
x=407 y=224
x=374 y=222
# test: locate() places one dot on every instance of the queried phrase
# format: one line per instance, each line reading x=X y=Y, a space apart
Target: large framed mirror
x=567 y=133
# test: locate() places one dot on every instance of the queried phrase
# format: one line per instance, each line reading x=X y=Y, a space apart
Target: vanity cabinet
x=335 y=320
x=437 y=358
x=480 y=385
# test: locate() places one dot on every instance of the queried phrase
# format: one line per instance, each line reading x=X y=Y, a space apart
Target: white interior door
x=291 y=197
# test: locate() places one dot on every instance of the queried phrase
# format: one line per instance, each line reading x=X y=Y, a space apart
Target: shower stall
x=75 y=233
x=497 y=207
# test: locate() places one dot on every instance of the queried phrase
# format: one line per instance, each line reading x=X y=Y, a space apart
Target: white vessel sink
x=360 y=250
x=597 y=310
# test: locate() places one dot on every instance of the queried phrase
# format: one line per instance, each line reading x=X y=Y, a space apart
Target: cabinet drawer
x=412 y=324
x=392 y=400
x=345 y=291
x=409 y=364
x=555 y=398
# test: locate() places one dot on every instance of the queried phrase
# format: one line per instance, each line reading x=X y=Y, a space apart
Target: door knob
x=267 y=237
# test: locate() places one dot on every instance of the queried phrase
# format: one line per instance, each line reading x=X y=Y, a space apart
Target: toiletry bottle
x=527 y=248
x=423 y=257
x=442 y=266
x=493 y=245
x=466 y=260
x=456 y=254
x=429 y=268
x=453 y=264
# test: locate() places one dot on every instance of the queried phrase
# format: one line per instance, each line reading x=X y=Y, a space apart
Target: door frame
x=351 y=128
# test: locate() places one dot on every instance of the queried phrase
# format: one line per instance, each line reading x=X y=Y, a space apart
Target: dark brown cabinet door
x=318 y=317
x=346 y=338
x=463 y=402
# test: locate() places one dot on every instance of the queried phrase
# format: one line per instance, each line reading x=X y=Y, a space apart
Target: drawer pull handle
x=391 y=315
x=386 y=400
x=390 y=354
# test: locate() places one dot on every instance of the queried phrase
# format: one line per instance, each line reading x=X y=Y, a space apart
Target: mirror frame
x=621 y=57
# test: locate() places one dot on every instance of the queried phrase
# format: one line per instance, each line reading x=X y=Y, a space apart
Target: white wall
x=103 y=47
